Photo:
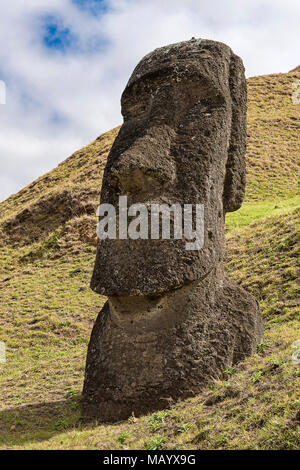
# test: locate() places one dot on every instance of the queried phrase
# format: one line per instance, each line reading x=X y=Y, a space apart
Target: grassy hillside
x=47 y=310
x=273 y=137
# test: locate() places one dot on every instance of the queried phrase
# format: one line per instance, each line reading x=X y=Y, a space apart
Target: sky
x=65 y=63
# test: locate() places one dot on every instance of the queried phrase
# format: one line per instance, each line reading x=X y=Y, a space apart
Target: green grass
x=251 y=211
x=254 y=407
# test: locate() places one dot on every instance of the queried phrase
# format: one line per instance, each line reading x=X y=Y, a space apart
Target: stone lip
x=145 y=272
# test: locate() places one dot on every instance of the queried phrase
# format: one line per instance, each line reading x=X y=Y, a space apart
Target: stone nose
x=137 y=172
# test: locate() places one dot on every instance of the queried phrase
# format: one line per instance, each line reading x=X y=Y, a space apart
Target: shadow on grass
x=38 y=422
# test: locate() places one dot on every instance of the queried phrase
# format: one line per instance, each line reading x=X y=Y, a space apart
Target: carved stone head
x=182 y=142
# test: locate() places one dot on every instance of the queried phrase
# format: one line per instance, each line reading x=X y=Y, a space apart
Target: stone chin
x=149 y=267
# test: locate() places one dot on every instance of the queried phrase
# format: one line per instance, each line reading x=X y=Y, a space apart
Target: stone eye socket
x=136 y=109
x=138 y=98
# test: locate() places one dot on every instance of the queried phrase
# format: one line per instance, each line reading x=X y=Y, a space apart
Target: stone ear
x=235 y=178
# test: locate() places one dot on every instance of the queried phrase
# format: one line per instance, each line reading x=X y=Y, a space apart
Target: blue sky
x=56 y=36
x=94 y=7
x=66 y=62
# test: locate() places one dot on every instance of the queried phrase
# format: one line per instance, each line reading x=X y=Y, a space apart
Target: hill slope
x=47 y=309
x=71 y=190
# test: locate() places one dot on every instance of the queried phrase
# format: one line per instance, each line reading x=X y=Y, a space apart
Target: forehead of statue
x=183 y=58
x=206 y=71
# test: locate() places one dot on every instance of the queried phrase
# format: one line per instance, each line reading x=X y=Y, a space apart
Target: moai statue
x=173 y=320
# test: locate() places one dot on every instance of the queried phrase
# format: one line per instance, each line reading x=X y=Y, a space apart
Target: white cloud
x=58 y=102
